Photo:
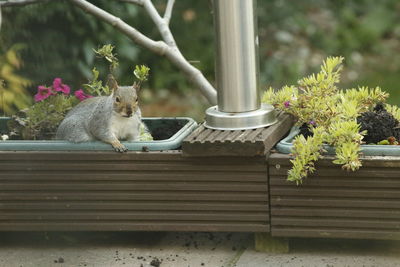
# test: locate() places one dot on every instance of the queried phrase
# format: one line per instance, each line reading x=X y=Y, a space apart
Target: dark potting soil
x=379 y=124
x=162 y=131
x=305 y=131
x=166 y=129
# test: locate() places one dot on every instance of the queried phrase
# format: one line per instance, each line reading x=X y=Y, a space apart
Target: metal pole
x=237 y=59
x=237 y=74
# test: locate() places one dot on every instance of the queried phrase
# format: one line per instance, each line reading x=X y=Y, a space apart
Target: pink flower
x=43 y=93
x=58 y=86
x=81 y=95
x=287 y=104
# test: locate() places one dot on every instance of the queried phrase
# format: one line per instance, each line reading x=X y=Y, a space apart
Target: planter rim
x=173 y=142
x=285 y=146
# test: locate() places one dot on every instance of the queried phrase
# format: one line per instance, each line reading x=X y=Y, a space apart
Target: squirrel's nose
x=129 y=112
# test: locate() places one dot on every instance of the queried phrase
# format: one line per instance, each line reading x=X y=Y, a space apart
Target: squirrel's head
x=125 y=98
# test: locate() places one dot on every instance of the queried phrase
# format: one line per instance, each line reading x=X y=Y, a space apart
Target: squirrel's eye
x=117 y=99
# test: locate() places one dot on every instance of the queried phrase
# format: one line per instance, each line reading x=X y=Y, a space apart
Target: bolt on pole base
x=218 y=120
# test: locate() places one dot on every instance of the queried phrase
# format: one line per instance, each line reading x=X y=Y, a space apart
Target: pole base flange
x=218 y=120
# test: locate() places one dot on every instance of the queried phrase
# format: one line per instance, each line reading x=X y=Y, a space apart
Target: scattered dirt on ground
x=59 y=260
x=155 y=262
x=188 y=242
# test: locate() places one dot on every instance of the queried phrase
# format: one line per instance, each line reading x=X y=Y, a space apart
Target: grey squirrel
x=105 y=118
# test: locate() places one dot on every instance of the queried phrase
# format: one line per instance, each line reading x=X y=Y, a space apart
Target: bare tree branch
x=167 y=48
x=194 y=75
x=132 y=33
x=168 y=11
x=159 y=22
x=175 y=56
x=8 y=3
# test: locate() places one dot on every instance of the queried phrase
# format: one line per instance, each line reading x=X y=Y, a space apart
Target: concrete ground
x=185 y=249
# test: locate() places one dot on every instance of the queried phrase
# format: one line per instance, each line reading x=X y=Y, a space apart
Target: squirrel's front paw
x=119 y=147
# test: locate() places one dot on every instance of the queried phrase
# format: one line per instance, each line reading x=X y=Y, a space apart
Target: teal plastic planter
x=285 y=146
x=171 y=132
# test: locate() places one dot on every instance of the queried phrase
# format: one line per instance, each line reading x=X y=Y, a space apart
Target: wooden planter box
x=224 y=190
x=150 y=191
x=333 y=203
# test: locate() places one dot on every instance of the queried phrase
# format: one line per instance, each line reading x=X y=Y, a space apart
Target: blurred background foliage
x=13 y=87
x=56 y=40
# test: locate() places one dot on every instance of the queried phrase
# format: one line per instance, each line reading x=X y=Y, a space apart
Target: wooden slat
x=137 y=205
x=121 y=167
x=192 y=137
x=137 y=186
x=354 y=233
x=367 y=161
x=338 y=223
x=206 y=142
x=335 y=202
x=255 y=134
x=133 y=195
x=335 y=212
x=326 y=172
x=203 y=135
x=181 y=226
x=173 y=157
x=89 y=156
x=188 y=176
x=244 y=137
x=222 y=136
x=328 y=181
x=335 y=192
x=211 y=138
x=132 y=216
x=233 y=135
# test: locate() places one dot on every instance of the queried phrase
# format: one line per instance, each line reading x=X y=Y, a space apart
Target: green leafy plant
x=330 y=114
x=141 y=72
x=394 y=110
x=106 y=51
x=40 y=121
x=96 y=87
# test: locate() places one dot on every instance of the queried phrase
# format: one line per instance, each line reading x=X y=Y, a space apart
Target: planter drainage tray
x=168 y=133
x=285 y=146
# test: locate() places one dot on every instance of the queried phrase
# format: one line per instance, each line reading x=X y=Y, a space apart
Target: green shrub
x=330 y=114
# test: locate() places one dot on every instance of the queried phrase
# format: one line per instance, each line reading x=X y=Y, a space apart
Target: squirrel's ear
x=136 y=86
x=111 y=82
